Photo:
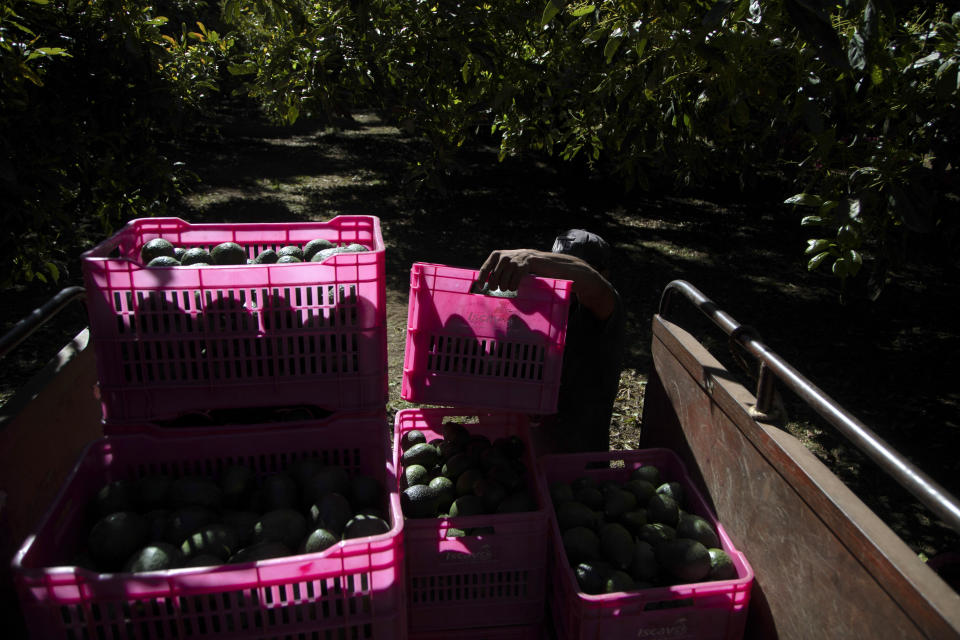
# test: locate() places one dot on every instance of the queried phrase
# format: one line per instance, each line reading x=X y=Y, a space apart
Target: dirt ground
x=883 y=361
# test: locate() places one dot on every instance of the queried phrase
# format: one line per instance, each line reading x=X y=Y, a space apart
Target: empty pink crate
x=173 y=340
x=704 y=611
x=355 y=588
x=476 y=350
x=493 y=578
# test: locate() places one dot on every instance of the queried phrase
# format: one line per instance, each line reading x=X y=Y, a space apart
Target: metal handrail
x=911 y=478
x=38 y=317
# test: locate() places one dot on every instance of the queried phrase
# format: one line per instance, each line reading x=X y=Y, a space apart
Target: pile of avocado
x=159 y=522
x=160 y=252
x=463 y=474
x=635 y=534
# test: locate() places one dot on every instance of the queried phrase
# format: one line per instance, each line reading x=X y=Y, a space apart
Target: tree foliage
x=854 y=102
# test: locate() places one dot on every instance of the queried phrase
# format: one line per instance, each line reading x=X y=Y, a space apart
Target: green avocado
x=116 y=537
x=261 y=551
x=361 y=526
x=684 y=559
x=196 y=255
x=286 y=526
x=317 y=244
x=419 y=501
x=229 y=253
x=156 y=248
x=158 y=556
x=220 y=540
x=164 y=261
x=267 y=256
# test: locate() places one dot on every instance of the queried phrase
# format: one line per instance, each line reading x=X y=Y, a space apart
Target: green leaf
x=809 y=221
x=816 y=260
x=804 y=200
x=549 y=12
x=816 y=245
x=54 y=271
x=611 y=47
x=595 y=36
x=584 y=10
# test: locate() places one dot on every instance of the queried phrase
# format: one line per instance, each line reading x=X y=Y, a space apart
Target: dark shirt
x=592 y=360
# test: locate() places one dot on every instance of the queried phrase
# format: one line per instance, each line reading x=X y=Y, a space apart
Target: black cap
x=585 y=245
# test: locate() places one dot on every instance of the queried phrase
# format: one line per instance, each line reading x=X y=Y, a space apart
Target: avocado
x=507 y=475
x=218 y=540
x=267 y=256
x=290 y=250
x=466 y=480
x=304 y=469
x=492 y=457
x=590 y=496
x=468 y=505
x=164 y=261
x=449 y=449
x=697 y=528
x=490 y=492
x=156 y=248
x=323 y=254
x=456 y=465
x=455 y=432
x=288 y=259
x=575 y=514
x=616 y=545
x=415 y=474
x=641 y=489
x=158 y=556
x=419 y=501
x=119 y=495
x=617 y=502
x=721 y=565
x=647 y=472
x=617 y=581
x=317 y=244
x=286 y=526
x=674 y=490
x=424 y=453
x=261 y=551
x=663 y=508
x=328 y=479
x=229 y=253
x=178 y=253
x=196 y=255
x=445 y=491
x=242 y=523
x=331 y=512
x=237 y=483
x=115 y=537
x=280 y=491
x=361 y=526
x=365 y=491
x=354 y=247
x=153 y=491
x=319 y=539
x=184 y=521
x=410 y=438
x=656 y=533
x=195 y=491
x=684 y=559
x=633 y=520
x=592 y=576
x=157 y=522
x=581 y=544
x=643 y=566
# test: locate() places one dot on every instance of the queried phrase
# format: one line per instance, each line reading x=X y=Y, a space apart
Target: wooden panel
x=43 y=430
x=826 y=566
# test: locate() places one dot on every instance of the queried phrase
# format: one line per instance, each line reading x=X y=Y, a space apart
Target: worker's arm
x=504 y=268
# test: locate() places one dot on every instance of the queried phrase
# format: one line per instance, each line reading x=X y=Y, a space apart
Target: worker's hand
x=504 y=268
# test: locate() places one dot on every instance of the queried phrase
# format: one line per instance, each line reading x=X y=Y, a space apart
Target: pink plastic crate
x=704 y=611
x=475 y=350
x=516 y=632
x=474 y=581
x=173 y=340
x=354 y=589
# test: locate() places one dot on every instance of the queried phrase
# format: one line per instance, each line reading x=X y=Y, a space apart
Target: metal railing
x=773 y=368
x=38 y=317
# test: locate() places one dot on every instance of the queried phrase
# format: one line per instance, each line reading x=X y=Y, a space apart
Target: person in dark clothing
x=592 y=357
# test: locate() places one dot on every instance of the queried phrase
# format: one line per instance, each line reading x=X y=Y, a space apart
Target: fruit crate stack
x=245 y=486
x=476 y=521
